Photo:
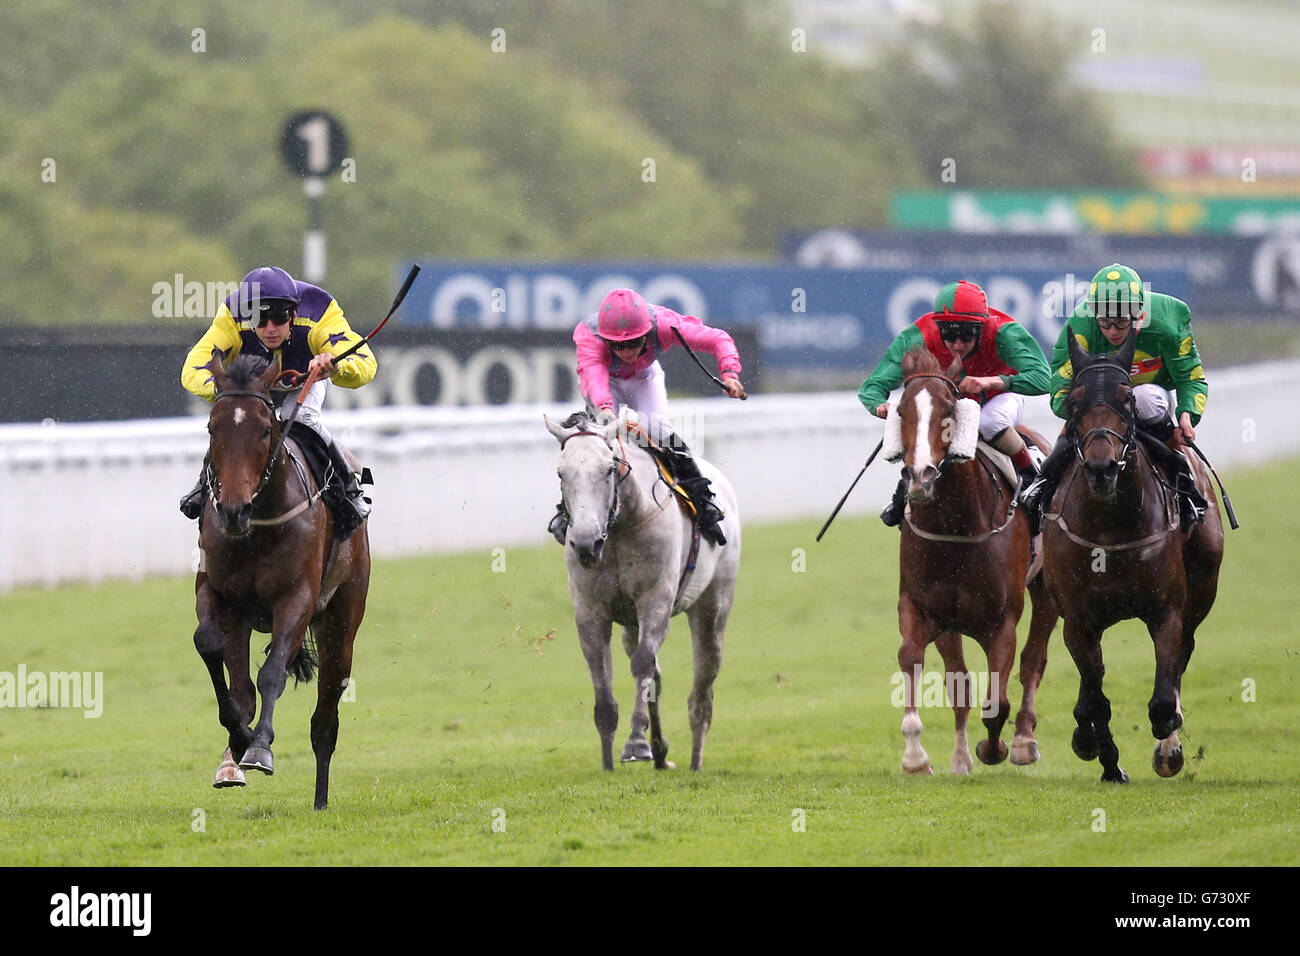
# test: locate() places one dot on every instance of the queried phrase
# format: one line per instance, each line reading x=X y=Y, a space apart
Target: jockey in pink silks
x=618 y=365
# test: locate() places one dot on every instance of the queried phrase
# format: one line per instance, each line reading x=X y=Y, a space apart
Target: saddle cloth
x=1002 y=462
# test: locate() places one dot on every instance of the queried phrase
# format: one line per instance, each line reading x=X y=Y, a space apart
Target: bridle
x=1127 y=442
x=211 y=473
x=622 y=469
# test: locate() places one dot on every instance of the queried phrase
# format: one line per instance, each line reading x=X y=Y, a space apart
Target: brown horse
x=270 y=564
x=963 y=560
x=1114 y=552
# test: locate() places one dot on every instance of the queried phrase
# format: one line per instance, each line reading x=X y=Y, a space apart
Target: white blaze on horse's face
x=239 y=415
x=920 y=458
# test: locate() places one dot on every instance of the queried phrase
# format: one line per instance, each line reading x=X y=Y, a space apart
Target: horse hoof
x=921 y=770
x=230 y=776
x=982 y=751
x=665 y=765
x=1167 y=765
x=1114 y=776
x=637 y=751
x=258 y=758
x=1024 y=752
x=1084 y=744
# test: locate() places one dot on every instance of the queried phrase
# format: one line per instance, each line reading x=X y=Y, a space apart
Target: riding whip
x=1227 y=502
x=879 y=445
x=716 y=381
x=313 y=375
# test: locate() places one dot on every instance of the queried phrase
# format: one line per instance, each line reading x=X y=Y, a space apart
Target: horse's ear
x=217 y=366
x=1125 y=354
x=955 y=369
x=1079 y=358
x=559 y=431
x=267 y=378
x=610 y=431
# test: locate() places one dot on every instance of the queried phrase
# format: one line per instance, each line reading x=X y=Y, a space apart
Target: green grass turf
x=473 y=705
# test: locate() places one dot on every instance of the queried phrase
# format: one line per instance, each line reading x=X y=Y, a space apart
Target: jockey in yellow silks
x=301 y=327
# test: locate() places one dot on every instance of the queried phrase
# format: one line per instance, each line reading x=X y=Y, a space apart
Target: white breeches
x=1153 y=402
x=310 y=413
x=646 y=394
x=1000 y=412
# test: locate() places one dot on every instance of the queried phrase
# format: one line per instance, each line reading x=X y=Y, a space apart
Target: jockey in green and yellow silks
x=1001 y=364
x=1167 y=372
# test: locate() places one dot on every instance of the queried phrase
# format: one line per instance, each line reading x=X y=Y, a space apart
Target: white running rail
x=94 y=502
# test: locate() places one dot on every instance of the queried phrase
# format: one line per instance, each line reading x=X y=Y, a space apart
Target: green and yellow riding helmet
x=1116 y=293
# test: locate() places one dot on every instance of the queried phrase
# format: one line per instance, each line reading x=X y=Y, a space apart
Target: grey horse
x=627 y=551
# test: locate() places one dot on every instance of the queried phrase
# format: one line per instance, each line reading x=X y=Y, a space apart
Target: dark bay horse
x=963 y=561
x=270 y=564
x=1114 y=552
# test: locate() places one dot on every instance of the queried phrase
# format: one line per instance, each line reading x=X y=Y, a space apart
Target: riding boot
x=1191 y=503
x=347 y=500
x=559 y=526
x=1035 y=496
x=892 y=516
x=687 y=473
x=192 y=503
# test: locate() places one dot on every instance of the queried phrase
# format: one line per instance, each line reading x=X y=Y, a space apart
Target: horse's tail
x=302 y=666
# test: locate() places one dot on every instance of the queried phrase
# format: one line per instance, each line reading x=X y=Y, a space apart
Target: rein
x=962 y=538
x=1171 y=516
x=943 y=378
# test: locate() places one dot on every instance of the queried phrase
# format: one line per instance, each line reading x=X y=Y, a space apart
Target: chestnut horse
x=963 y=560
x=1114 y=552
x=270 y=564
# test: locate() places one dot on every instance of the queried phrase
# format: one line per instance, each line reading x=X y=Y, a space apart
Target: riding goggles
x=276 y=313
x=626 y=344
x=959 y=331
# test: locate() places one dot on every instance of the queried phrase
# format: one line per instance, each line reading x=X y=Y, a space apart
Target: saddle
x=667 y=462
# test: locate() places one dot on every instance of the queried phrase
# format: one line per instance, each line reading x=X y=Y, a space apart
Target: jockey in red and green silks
x=1166 y=372
x=1001 y=365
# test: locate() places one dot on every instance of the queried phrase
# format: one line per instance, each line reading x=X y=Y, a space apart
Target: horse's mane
x=921 y=361
x=245 y=369
x=576 y=420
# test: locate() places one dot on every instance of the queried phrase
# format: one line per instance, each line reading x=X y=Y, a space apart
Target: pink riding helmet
x=623 y=315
